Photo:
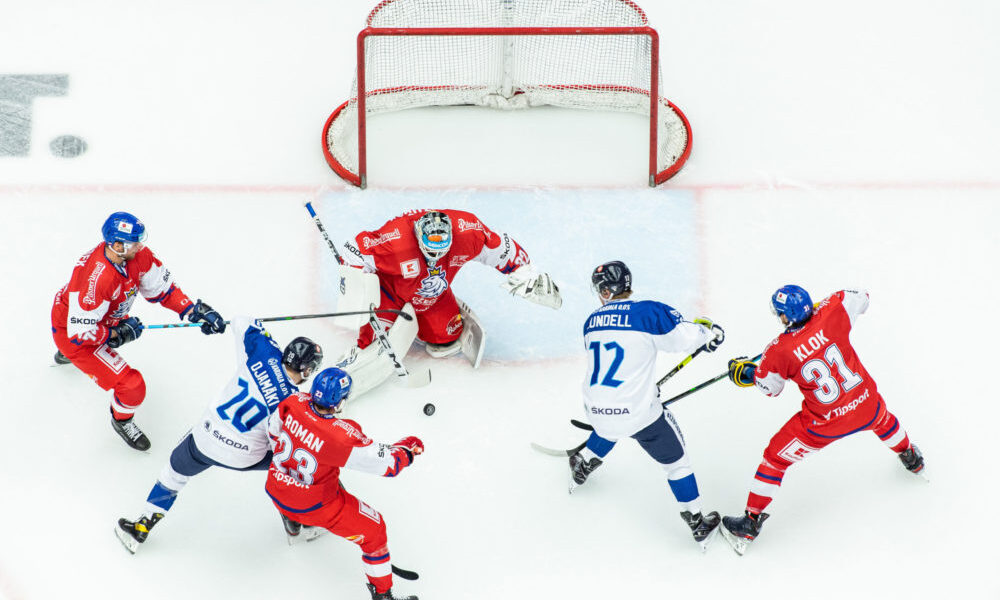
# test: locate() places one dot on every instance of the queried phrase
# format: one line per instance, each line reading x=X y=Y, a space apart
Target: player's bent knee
x=130 y=390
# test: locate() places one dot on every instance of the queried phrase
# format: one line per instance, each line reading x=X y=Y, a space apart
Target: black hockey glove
x=127 y=331
x=720 y=334
x=742 y=371
x=211 y=321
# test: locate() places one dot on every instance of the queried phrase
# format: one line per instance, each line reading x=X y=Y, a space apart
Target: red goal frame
x=360 y=178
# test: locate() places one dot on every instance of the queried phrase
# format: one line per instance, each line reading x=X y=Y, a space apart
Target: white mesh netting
x=596 y=72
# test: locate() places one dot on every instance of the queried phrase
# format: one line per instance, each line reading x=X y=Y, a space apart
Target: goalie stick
x=409 y=379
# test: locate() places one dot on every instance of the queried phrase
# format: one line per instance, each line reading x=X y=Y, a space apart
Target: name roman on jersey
x=814 y=343
x=600 y=410
x=300 y=432
x=270 y=391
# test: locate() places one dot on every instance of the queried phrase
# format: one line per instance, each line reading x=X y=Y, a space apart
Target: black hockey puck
x=428 y=409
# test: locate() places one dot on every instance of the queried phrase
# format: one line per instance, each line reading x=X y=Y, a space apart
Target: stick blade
x=404 y=574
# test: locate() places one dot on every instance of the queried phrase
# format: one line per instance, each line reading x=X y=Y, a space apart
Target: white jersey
x=623 y=338
x=233 y=429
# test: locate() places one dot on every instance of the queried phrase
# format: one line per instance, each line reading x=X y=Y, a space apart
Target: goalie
x=415 y=257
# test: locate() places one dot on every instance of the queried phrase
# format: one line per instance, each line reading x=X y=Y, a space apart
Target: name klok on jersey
x=814 y=343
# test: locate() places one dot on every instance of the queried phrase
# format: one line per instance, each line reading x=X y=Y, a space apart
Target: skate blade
x=708 y=539
x=572 y=486
x=739 y=544
x=130 y=543
x=312 y=533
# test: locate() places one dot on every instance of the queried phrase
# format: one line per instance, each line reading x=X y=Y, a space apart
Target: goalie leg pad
x=473 y=338
x=371 y=366
x=357 y=291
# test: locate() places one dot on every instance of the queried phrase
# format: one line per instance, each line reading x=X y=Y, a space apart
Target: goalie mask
x=433 y=231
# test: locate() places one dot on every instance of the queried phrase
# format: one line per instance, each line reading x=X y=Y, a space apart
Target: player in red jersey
x=90 y=315
x=839 y=396
x=416 y=256
x=311 y=444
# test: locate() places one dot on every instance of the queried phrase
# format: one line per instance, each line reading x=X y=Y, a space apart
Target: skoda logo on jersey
x=434 y=284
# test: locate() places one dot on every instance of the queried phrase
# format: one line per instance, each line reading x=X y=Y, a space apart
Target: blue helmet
x=793 y=302
x=330 y=389
x=612 y=276
x=123 y=227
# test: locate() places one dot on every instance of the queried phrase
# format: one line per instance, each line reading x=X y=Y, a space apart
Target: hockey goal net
x=507 y=54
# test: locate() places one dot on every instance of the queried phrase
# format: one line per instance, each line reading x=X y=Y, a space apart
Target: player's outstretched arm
x=384 y=459
x=532 y=285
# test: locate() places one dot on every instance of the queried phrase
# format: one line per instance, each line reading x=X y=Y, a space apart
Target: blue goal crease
x=566 y=233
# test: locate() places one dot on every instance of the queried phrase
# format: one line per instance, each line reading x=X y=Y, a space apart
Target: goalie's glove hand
x=742 y=371
x=127 y=331
x=719 y=334
x=211 y=321
x=532 y=285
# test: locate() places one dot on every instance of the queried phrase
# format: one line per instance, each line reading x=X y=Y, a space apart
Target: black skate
x=912 y=459
x=703 y=528
x=130 y=432
x=133 y=533
x=581 y=469
x=740 y=531
x=61 y=359
x=387 y=595
x=297 y=531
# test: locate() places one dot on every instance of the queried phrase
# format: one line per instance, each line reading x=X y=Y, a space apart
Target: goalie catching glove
x=534 y=286
x=742 y=371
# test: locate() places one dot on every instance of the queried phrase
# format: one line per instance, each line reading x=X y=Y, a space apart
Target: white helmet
x=433 y=231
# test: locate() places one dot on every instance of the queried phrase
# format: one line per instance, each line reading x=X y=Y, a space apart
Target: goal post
x=507 y=54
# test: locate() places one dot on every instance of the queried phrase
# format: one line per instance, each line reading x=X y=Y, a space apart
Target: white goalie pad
x=473 y=338
x=371 y=366
x=356 y=291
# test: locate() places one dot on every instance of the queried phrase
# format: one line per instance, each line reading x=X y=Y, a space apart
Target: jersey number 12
x=609 y=377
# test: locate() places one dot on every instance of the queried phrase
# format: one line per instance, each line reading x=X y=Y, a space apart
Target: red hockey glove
x=411 y=444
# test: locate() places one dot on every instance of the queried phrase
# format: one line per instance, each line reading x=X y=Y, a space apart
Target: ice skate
x=130 y=432
x=740 y=531
x=443 y=350
x=580 y=469
x=133 y=533
x=703 y=528
x=387 y=595
x=61 y=359
x=913 y=460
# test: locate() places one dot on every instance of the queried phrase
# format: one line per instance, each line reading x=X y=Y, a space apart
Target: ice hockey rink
x=835 y=146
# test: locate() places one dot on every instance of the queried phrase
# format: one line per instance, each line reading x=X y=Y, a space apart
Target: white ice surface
x=835 y=146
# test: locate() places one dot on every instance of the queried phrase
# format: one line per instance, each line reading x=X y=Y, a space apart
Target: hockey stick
x=669 y=401
x=291 y=318
x=322 y=230
x=404 y=574
x=552 y=452
x=410 y=379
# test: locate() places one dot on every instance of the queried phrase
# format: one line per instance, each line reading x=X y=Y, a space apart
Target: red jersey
x=100 y=294
x=310 y=450
x=819 y=358
x=392 y=252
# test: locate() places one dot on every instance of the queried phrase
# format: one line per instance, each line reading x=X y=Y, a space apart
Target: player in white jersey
x=620 y=393
x=232 y=432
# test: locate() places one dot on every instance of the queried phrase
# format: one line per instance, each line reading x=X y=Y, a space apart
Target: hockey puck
x=428 y=409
